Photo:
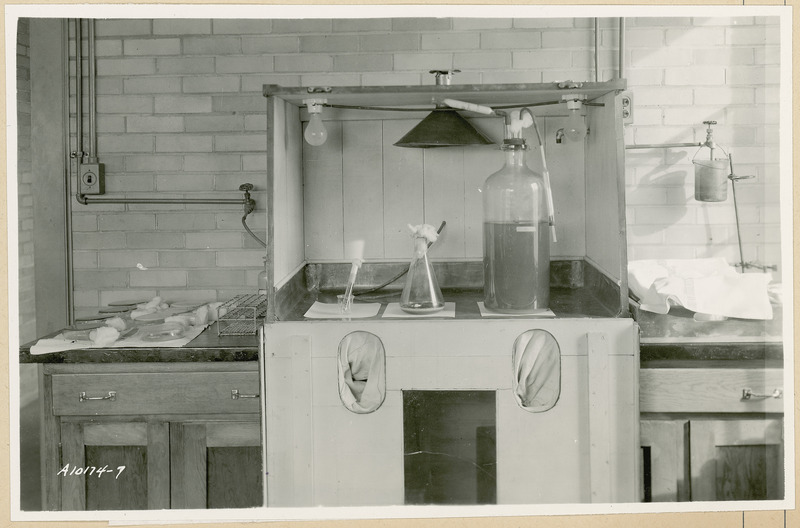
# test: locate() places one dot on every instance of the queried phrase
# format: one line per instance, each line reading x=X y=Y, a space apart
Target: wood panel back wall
x=358 y=185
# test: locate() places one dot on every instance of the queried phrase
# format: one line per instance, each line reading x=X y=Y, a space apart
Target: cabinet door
x=114 y=465
x=736 y=459
x=216 y=464
x=663 y=461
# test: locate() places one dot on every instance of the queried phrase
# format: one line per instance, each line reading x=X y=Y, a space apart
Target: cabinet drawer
x=699 y=390
x=155 y=393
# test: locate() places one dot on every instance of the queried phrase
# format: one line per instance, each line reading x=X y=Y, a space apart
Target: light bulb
x=575 y=129
x=315 y=132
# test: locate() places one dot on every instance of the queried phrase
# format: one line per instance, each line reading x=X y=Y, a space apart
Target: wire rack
x=242 y=315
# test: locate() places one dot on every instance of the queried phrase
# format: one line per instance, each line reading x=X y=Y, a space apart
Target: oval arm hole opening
x=361 y=363
x=537 y=371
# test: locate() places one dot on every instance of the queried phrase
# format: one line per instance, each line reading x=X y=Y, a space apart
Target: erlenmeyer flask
x=421 y=293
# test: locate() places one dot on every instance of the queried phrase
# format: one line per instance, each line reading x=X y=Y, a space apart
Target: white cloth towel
x=362 y=372
x=537 y=371
x=709 y=287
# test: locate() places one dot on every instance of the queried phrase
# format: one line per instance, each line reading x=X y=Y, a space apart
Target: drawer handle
x=748 y=394
x=111 y=396
x=235 y=395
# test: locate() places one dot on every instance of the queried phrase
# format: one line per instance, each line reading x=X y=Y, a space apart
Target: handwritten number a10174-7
x=89 y=471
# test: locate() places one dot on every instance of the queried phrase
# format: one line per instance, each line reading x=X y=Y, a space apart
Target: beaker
x=711 y=180
x=421 y=293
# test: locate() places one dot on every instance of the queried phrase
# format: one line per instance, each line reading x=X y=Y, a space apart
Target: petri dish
x=91 y=318
x=115 y=309
x=162 y=332
x=150 y=319
x=127 y=303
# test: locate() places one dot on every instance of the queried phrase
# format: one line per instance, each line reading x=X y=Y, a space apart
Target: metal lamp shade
x=443 y=128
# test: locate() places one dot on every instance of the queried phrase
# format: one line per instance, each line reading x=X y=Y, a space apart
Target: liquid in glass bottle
x=516 y=236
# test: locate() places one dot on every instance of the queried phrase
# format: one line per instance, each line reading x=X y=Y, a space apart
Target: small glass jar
x=263 y=284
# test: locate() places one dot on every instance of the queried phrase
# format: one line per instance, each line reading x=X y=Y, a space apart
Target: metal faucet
x=559 y=135
x=249 y=203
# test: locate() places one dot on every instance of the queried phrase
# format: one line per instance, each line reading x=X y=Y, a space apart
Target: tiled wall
x=180 y=113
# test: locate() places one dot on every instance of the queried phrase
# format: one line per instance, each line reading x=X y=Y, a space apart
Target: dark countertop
x=208 y=346
x=564 y=303
x=670 y=340
x=675 y=338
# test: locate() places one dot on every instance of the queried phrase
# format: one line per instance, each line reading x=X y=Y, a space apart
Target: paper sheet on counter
x=59 y=344
x=320 y=310
x=485 y=312
x=394 y=310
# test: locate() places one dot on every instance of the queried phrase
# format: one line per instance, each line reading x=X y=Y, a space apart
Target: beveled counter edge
x=722 y=352
x=141 y=355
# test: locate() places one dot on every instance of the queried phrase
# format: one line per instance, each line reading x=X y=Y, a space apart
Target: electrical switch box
x=91 y=178
x=627 y=107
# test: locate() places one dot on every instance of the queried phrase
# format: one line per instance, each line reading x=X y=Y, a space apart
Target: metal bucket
x=711 y=180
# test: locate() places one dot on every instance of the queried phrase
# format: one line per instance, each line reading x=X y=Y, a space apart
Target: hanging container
x=710 y=170
x=516 y=236
x=421 y=293
x=711 y=180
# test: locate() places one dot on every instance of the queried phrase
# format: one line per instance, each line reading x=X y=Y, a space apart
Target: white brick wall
x=727 y=71
x=181 y=112
x=27 y=292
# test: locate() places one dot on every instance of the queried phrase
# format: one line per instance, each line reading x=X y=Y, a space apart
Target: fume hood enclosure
x=358 y=185
x=441 y=412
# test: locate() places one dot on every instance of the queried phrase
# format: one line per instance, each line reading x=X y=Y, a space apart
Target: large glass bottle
x=516 y=236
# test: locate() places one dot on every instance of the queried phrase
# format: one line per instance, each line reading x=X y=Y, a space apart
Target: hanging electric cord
x=399 y=275
x=249 y=207
x=244 y=223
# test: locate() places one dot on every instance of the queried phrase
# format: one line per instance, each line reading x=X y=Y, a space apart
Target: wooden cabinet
x=114 y=465
x=151 y=436
x=216 y=464
x=735 y=459
x=704 y=438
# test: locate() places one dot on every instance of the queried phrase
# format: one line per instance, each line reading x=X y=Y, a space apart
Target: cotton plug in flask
x=516 y=236
x=421 y=293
